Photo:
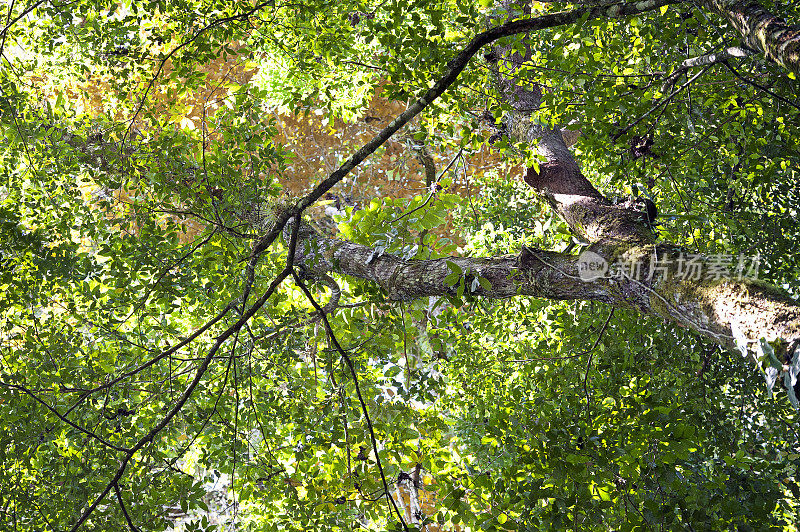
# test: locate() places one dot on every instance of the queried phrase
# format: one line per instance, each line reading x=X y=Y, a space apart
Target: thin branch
x=214 y=411
x=351 y=367
x=760 y=87
x=152 y=361
x=63 y=417
x=10 y=22
x=432 y=192
x=454 y=69
x=165 y=271
x=175 y=50
x=591 y=354
x=118 y=492
x=149 y=437
x=659 y=104
x=359 y=63
x=704 y=60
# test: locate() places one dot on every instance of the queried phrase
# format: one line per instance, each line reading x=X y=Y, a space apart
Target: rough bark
x=537 y=273
x=728 y=308
x=733 y=311
x=761 y=30
x=736 y=312
x=454 y=68
x=721 y=308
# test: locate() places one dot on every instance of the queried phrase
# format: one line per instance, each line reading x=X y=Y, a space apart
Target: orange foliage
x=318 y=146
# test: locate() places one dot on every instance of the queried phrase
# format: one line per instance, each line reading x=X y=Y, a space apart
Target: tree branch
x=245 y=317
x=63 y=417
x=128 y=520
x=661 y=280
x=454 y=68
x=351 y=367
x=761 y=30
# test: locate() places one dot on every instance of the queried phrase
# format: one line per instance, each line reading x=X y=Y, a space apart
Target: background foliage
x=145 y=144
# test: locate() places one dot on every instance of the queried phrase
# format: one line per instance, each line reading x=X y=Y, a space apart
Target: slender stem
x=591 y=354
x=128 y=520
x=351 y=367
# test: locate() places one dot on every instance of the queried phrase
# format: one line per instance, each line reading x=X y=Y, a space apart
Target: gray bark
x=761 y=30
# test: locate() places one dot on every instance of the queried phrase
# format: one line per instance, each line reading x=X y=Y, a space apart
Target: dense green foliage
x=125 y=227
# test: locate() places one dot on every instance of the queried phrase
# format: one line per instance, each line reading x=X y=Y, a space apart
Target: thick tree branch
x=454 y=68
x=661 y=281
x=535 y=273
x=720 y=303
x=761 y=30
x=653 y=278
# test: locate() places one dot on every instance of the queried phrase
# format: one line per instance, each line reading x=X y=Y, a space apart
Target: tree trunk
x=657 y=280
x=761 y=30
x=623 y=266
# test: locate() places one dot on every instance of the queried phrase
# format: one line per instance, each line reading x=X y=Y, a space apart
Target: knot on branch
x=312 y=254
x=333 y=303
x=557 y=178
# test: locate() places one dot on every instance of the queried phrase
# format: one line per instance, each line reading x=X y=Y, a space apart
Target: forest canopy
x=384 y=265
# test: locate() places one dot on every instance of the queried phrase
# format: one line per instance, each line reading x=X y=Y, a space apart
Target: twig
x=349 y=362
x=703 y=60
x=164 y=272
x=591 y=354
x=117 y=491
x=196 y=381
x=759 y=87
x=454 y=69
x=431 y=192
x=63 y=417
x=185 y=43
x=659 y=104
x=152 y=361
x=10 y=22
